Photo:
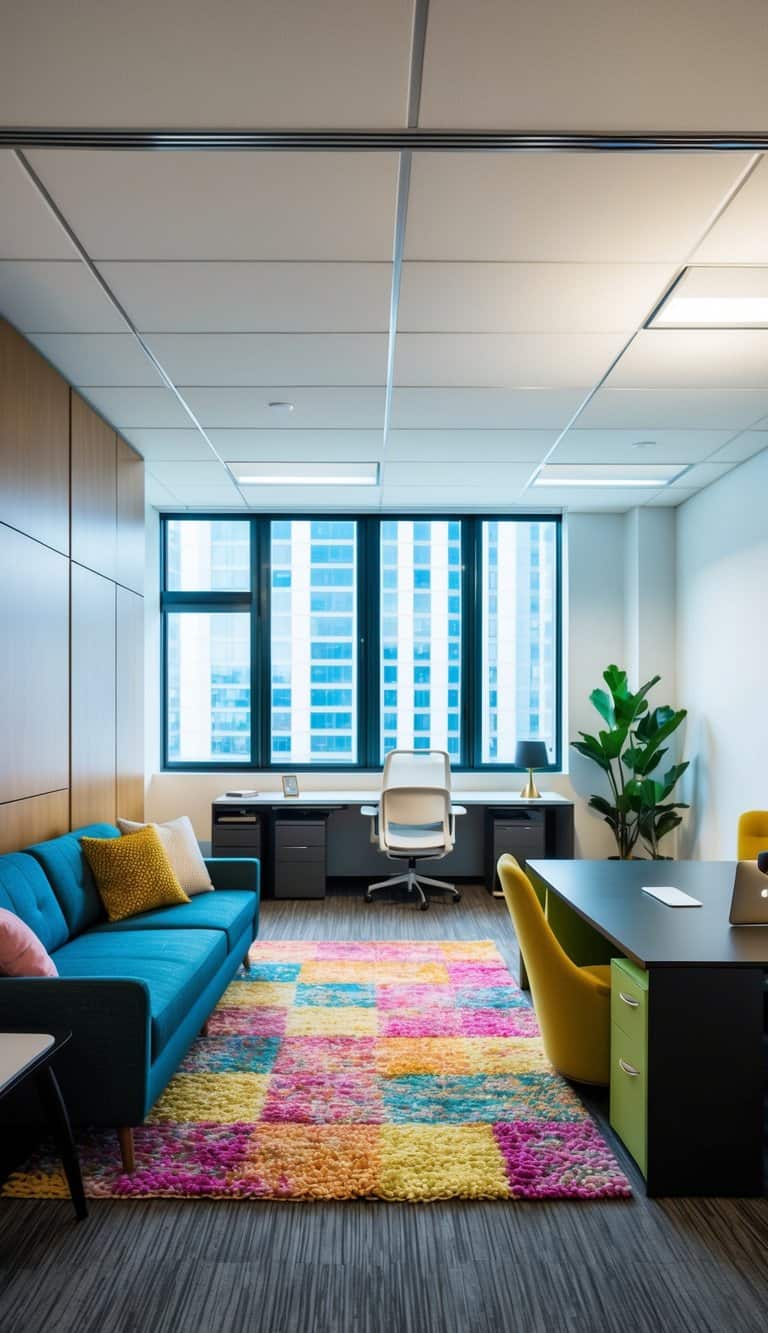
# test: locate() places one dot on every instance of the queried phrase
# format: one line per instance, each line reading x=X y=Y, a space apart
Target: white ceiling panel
x=583 y=207
x=535 y=298
x=316 y=407
x=527 y=360
x=28 y=229
x=157 y=494
x=253 y=297
x=478 y=409
x=694 y=358
x=587 y=499
x=169 y=445
x=543 y=65
x=457 y=498
x=632 y=446
x=740 y=236
x=742 y=447
x=187 y=205
x=483 y=446
x=506 y=478
x=647 y=410
x=48 y=296
x=189 y=63
x=248 y=359
x=298 y=499
x=702 y=474
x=98 y=359
x=177 y=474
x=208 y=497
x=333 y=446
x=144 y=408
x=669 y=498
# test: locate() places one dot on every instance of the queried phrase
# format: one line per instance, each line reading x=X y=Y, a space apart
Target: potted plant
x=629 y=750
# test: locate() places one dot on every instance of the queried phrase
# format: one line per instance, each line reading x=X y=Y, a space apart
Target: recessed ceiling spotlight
x=278 y=406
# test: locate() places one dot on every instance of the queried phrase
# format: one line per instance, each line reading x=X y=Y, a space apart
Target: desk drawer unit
x=629 y=1058
x=521 y=832
x=236 y=832
x=299 y=858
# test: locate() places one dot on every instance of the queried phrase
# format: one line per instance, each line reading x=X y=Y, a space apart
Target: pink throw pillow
x=21 y=952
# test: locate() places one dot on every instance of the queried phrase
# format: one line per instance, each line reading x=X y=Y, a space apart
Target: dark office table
x=706 y=1000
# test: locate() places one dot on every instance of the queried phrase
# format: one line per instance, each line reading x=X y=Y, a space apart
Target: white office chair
x=414 y=820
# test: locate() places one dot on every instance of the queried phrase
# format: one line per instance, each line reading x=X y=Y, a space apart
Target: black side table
x=26 y=1055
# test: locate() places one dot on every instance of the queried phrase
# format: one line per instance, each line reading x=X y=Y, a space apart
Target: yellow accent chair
x=753 y=834
x=573 y=1004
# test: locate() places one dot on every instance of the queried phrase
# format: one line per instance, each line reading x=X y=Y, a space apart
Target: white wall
x=722 y=589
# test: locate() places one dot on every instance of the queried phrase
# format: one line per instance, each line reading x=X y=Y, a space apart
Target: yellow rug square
x=405 y=974
x=397 y=1057
x=425 y=1162
x=335 y=973
x=470 y=951
x=316 y=1020
x=226 y=1098
x=263 y=994
x=506 y=1055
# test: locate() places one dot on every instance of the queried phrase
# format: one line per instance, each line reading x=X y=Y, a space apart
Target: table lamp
x=530 y=755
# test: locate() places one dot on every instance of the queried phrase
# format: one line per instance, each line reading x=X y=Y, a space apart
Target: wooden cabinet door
x=94 y=490
x=34 y=443
x=93 y=698
x=130 y=517
x=130 y=705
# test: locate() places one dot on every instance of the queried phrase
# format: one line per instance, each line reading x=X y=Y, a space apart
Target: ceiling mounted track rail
x=339 y=141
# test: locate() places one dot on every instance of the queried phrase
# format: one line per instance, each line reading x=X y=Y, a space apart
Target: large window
x=327 y=641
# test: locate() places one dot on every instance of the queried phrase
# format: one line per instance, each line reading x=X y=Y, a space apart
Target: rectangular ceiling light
x=715 y=298
x=305 y=474
x=651 y=475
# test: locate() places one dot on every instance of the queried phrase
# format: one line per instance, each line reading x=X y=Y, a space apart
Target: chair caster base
x=367 y=898
x=423 y=907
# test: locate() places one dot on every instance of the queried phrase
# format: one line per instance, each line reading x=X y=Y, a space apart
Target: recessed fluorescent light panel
x=650 y=476
x=716 y=298
x=305 y=474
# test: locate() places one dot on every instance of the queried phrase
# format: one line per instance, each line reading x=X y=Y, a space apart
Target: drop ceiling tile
x=95 y=359
x=143 y=408
x=457 y=499
x=669 y=498
x=54 y=296
x=504 y=478
x=537 y=298
x=702 y=474
x=188 y=205
x=529 y=360
x=588 y=500
x=552 y=66
x=740 y=236
x=303 y=499
x=332 y=446
x=28 y=229
x=156 y=494
x=583 y=207
x=694 y=358
x=253 y=297
x=742 y=447
x=647 y=410
x=176 y=474
x=438 y=446
x=632 y=446
x=187 y=63
x=247 y=359
x=484 y=409
x=169 y=445
x=209 y=497
x=315 y=407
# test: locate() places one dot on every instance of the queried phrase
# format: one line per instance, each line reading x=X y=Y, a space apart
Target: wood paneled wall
x=71 y=607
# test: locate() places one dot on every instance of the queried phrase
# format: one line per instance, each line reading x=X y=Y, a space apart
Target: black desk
x=705 y=984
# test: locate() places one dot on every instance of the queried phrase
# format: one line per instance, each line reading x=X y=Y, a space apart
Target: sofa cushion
x=21 y=953
x=25 y=891
x=70 y=875
x=133 y=874
x=230 y=910
x=175 y=965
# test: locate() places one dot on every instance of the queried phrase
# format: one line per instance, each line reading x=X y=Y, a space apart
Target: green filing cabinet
x=629 y=1057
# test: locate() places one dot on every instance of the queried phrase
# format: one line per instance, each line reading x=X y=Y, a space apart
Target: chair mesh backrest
x=416 y=768
x=416 y=795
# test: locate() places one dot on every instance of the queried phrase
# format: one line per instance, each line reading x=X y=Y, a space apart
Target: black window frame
x=256 y=602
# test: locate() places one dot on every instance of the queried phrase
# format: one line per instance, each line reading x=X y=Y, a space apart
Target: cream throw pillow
x=183 y=851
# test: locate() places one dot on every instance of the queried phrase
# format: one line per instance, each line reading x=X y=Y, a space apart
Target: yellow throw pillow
x=133 y=873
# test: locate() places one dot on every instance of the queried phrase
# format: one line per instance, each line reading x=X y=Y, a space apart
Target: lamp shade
x=531 y=754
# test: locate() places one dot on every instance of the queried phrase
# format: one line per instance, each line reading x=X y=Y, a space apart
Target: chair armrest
x=104 y=1069
x=234 y=872
x=370 y=810
x=458 y=809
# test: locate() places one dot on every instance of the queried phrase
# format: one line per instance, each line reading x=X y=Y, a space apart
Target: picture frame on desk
x=290 y=784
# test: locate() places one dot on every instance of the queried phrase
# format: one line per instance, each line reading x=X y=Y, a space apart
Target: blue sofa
x=136 y=993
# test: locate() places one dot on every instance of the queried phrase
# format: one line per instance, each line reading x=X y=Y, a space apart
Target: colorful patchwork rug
x=359 y=1070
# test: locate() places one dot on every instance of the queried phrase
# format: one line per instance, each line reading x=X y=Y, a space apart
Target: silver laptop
x=749 y=904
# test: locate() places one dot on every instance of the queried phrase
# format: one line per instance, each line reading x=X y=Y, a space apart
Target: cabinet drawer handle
x=296 y=846
x=629 y=1069
x=629 y=999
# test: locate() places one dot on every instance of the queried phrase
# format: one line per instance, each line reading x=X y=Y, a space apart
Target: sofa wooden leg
x=247 y=962
x=125 y=1135
x=205 y=1030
